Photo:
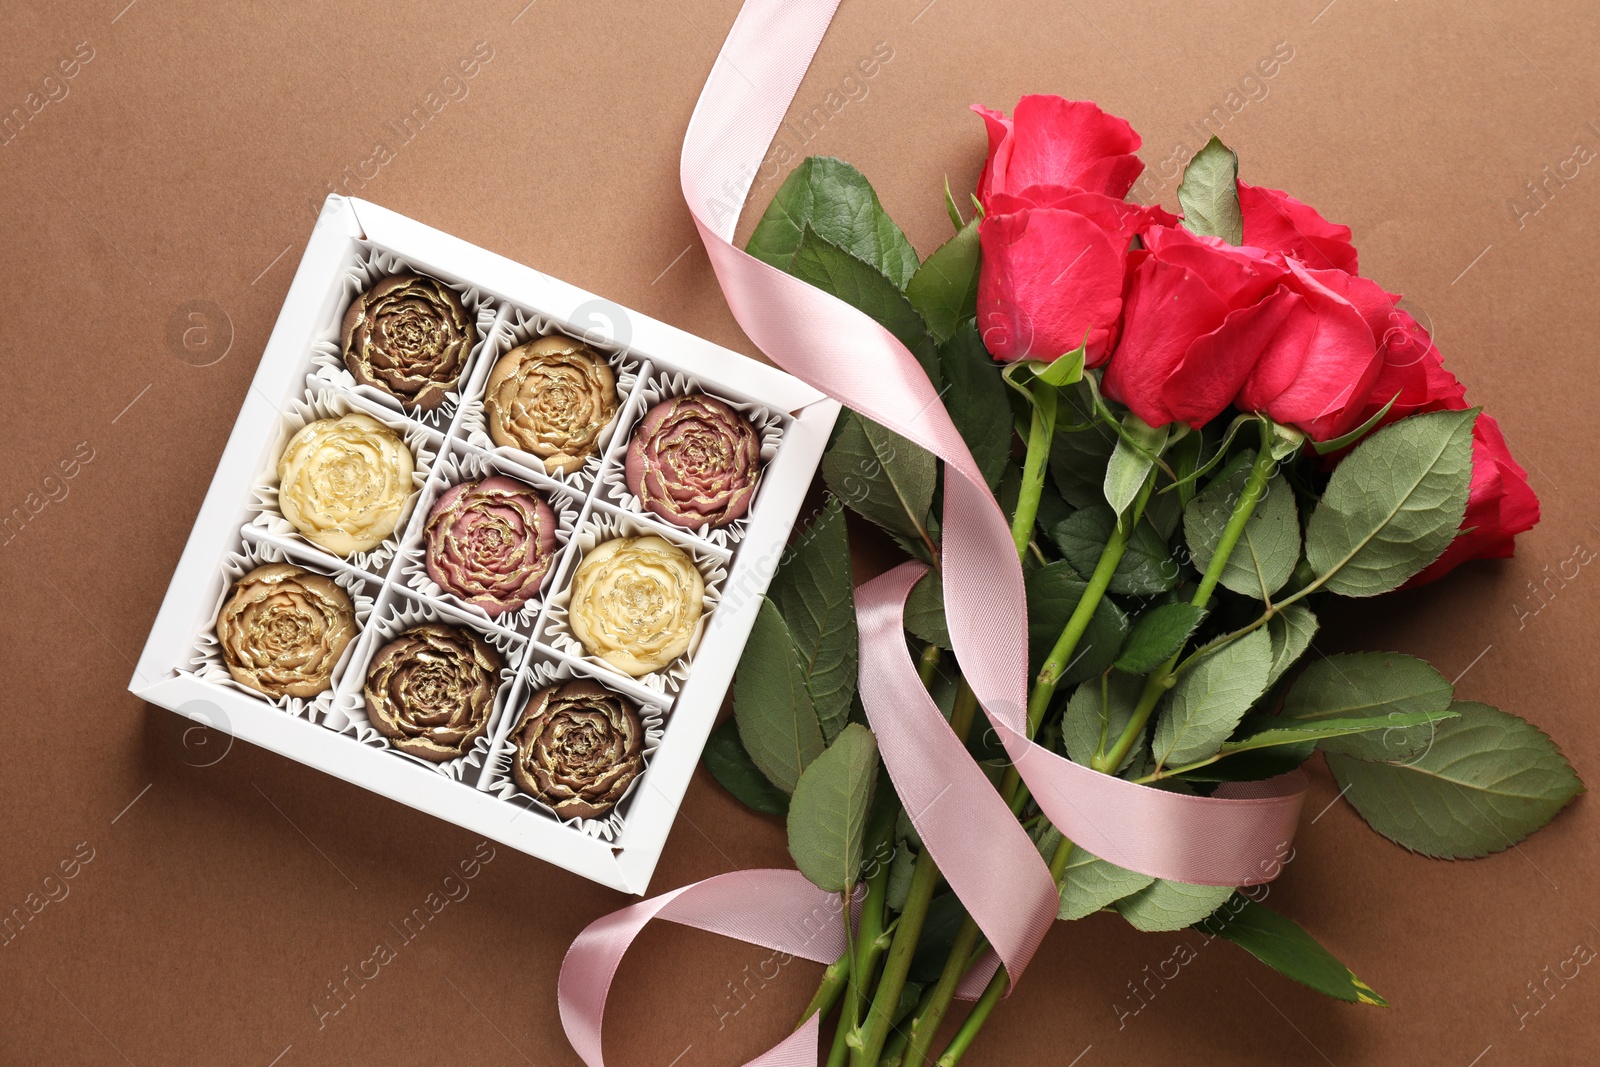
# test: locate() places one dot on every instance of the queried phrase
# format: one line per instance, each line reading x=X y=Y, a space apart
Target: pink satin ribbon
x=775 y=909
x=1234 y=838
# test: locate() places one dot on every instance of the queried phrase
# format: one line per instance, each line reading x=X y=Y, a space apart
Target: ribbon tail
x=775 y=909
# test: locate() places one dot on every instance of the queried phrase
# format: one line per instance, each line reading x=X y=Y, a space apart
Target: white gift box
x=301 y=377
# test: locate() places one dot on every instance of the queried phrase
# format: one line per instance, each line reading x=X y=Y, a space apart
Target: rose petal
x=1277 y=221
x=1051 y=281
x=1070 y=142
x=1165 y=309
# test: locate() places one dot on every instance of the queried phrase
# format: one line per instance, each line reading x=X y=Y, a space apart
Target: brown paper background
x=179 y=168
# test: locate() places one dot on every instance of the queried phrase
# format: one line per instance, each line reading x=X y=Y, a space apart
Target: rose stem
x=894 y=1049
x=1066 y=646
x=997 y=985
x=852 y=993
x=1012 y=787
x=925 y=875
x=1158 y=683
x=931 y=1013
x=1041 y=428
x=1162 y=679
x=924 y=880
x=837 y=973
x=870 y=943
x=834 y=979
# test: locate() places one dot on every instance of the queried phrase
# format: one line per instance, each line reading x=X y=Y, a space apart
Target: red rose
x=1052 y=270
x=1500 y=505
x=1055 y=231
x=1316 y=373
x=1207 y=325
x=1278 y=222
x=1413 y=373
x=1197 y=313
x=1051 y=141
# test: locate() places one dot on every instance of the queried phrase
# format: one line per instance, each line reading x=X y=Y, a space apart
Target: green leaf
x=1053 y=593
x=901 y=868
x=836 y=201
x=736 y=772
x=1324 y=448
x=1132 y=460
x=1089 y=883
x=816 y=596
x=881 y=476
x=1096 y=716
x=1393 y=504
x=1253 y=765
x=1379 y=685
x=1291 y=630
x=1286 y=441
x=944 y=290
x=924 y=615
x=1164 y=513
x=1209 y=194
x=950 y=206
x=828 y=812
x=1078 y=458
x=1168 y=905
x=1281 y=944
x=939 y=930
x=1184 y=459
x=859 y=284
x=1052 y=509
x=1157 y=635
x=1066 y=369
x=1209 y=699
x=1146 y=566
x=771 y=704
x=1264 y=558
x=1269 y=731
x=1488 y=780
x=975 y=396
x=910 y=997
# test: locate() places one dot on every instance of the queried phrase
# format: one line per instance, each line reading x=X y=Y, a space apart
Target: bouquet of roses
x=1200 y=426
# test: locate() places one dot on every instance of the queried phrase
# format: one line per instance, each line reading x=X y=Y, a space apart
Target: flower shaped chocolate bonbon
x=636 y=602
x=343 y=482
x=410 y=337
x=430 y=690
x=283 y=630
x=491 y=543
x=694 y=461
x=579 y=747
x=553 y=398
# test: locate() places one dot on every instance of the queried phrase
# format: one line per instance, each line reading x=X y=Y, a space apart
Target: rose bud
x=553 y=398
x=1051 y=141
x=430 y=690
x=579 y=747
x=343 y=482
x=491 y=543
x=694 y=461
x=410 y=337
x=636 y=602
x=283 y=630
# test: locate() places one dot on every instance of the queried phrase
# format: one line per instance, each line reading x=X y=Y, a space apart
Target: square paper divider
x=315 y=300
